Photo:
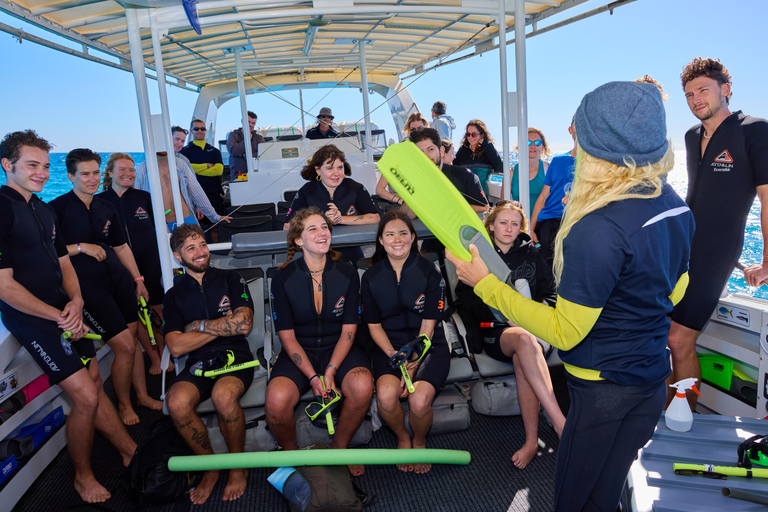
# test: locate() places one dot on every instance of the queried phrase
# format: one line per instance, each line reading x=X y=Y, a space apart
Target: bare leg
x=124 y=347
x=108 y=422
x=226 y=398
x=420 y=417
x=529 y=409
x=281 y=398
x=357 y=389
x=139 y=377
x=388 y=399
x=80 y=424
x=159 y=338
x=685 y=362
x=182 y=399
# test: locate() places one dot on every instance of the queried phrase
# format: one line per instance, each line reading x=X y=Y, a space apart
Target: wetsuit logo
x=723 y=162
x=141 y=213
x=420 y=301
x=338 y=308
x=404 y=182
x=93 y=323
x=224 y=302
x=724 y=158
x=45 y=357
x=351 y=210
x=105 y=229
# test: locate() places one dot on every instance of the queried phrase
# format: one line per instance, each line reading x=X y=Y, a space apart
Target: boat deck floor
x=489 y=483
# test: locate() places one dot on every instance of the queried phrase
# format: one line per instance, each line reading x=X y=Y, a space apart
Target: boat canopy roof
x=282 y=41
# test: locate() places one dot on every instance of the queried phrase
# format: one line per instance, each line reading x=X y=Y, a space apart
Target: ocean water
x=753 y=242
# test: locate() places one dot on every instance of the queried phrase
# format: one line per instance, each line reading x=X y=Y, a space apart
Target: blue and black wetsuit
x=31 y=245
x=108 y=290
x=400 y=306
x=721 y=189
x=134 y=210
x=525 y=262
x=221 y=292
x=293 y=306
x=350 y=197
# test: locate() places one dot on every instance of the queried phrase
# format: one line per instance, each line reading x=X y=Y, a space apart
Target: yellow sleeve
x=204 y=170
x=679 y=291
x=563 y=326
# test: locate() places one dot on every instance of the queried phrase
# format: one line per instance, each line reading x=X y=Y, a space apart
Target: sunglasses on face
x=199 y=129
x=534 y=142
x=473 y=134
x=325 y=117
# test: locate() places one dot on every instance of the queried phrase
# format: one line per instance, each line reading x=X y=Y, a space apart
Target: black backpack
x=149 y=479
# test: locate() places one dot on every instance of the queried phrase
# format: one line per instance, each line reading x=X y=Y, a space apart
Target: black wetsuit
x=350 y=197
x=293 y=307
x=107 y=287
x=721 y=190
x=222 y=291
x=401 y=306
x=525 y=262
x=315 y=133
x=134 y=210
x=31 y=245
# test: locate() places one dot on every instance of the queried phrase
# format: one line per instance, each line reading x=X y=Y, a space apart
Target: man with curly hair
x=727 y=158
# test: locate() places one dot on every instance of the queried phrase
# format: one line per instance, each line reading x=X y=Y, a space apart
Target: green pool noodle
x=348 y=456
x=725 y=470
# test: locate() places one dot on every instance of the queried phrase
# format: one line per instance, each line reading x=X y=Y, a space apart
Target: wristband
x=312 y=377
x=202 y=325
x=79 y=250
x=137 y=279
x=334 y=368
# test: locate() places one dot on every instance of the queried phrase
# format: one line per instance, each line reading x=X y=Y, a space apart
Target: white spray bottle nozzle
x=689 y=383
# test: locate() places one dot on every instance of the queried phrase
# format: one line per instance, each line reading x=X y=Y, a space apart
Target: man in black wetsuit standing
x=208 y=312
x=40 y=298
x=727 y=159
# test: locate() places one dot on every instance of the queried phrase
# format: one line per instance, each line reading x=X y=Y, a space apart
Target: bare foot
x=171 y=367
x=155 y=368
x=202 y=492
x=148 y=401
x=92 y=491
x=421 y=468
x=127 y=414
x=238 y=478
x=524 y=455
x=357 y=469
x=404 y=444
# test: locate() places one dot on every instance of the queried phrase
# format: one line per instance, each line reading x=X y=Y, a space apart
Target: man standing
x=548 y=210
x=236 y=147
x=179 y=138
x=727 y=158
x=207 y=164
x=208 y=313
x=443 y=123
x=40 y=298
x=323 y=130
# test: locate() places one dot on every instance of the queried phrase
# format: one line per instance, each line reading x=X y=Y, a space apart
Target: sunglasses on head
x=534 y=142
x=199 y=129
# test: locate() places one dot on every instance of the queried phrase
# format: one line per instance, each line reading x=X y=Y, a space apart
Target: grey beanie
x=623 y=120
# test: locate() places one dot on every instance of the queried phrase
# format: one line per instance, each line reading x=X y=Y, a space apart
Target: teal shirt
x=534 y=186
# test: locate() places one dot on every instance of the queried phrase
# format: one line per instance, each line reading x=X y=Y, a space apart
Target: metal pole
x=301 y=107
x=166 y=117
x=522 y=106
x=244 y=111
x=366 y=108
x=504 y=99
x=142 y=97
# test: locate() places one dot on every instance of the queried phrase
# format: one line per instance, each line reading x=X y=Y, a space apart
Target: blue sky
x=76 y=103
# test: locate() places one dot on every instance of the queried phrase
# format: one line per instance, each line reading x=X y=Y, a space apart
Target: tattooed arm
x=238 y=322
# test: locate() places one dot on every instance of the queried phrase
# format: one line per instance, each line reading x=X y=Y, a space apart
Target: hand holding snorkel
x=145 y=319
x=221 y=364
x=408 y=357
x=320 y=411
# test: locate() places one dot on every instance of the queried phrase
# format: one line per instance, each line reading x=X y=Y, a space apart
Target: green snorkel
x=217 y=366
x=89 y=336
x=419 y=346
x=145 y=320
x=317 y=411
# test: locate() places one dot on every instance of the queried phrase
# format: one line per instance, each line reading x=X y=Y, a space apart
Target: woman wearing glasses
x=403 y=296
x=537 y=168
x=507 y=226
x=478 y=154
x=315 y=301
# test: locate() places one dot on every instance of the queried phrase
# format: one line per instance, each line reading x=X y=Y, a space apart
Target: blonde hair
x=500 y=207
x=416 y=116
x=598 y=183
x=106 y=182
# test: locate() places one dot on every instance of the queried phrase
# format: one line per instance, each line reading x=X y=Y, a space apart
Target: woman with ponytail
x=315 y=301
x=621 y=261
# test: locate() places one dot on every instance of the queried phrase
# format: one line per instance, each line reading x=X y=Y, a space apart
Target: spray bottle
x=679 y=416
